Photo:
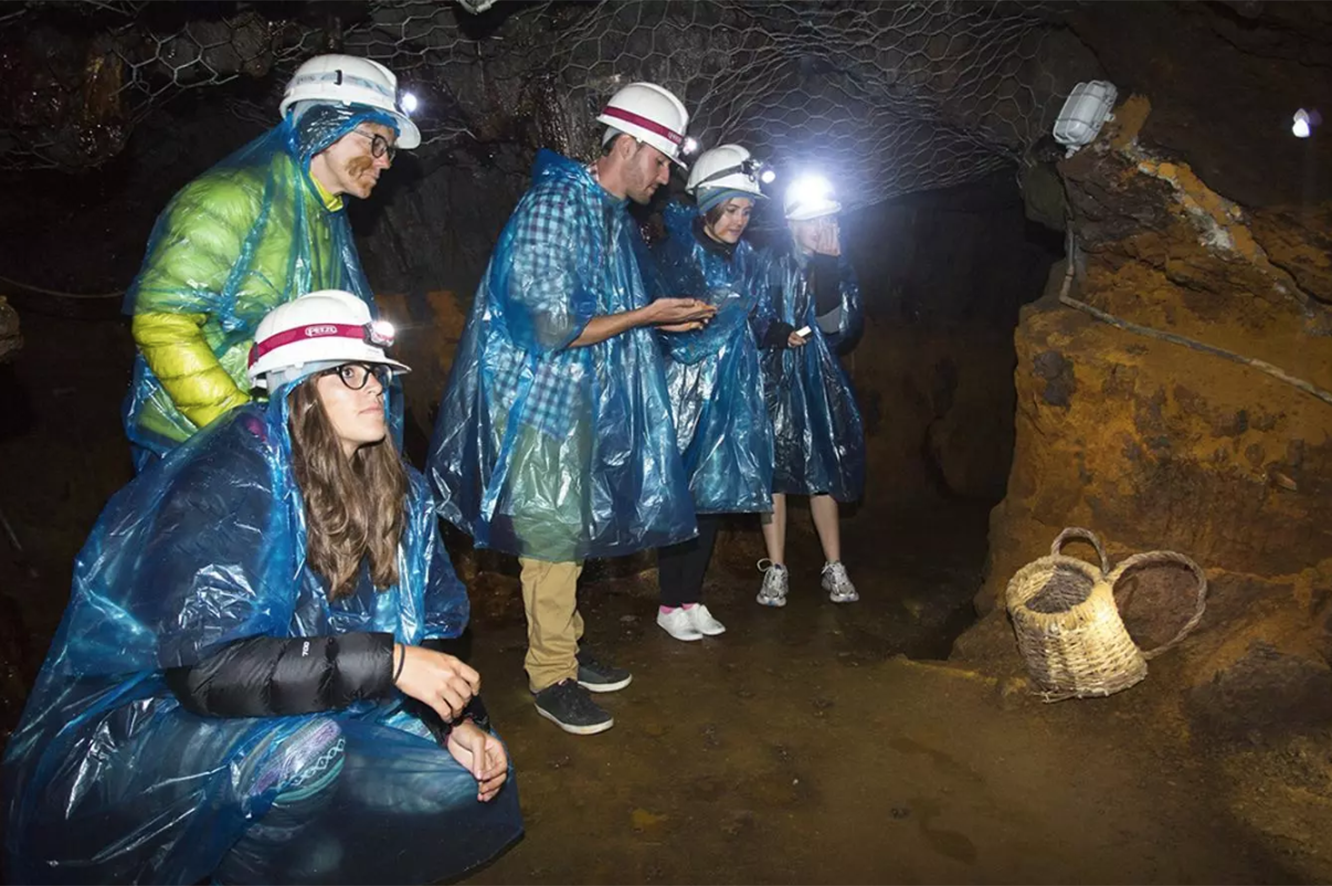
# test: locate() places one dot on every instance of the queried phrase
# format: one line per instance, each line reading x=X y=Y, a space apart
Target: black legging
x=681 y=567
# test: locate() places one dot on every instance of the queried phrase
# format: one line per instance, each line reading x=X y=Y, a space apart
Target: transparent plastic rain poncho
x=108 y=779
x=541 y=449
x=713 y=374
x=246 y=236
x=818 y=437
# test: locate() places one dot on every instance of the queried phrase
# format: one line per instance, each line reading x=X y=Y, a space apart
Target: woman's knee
x=306 y=761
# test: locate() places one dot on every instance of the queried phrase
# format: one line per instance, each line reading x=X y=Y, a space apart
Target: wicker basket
x=1068 y=626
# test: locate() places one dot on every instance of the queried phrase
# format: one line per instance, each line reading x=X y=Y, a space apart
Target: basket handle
x=1167 y=557
x=1076 y=532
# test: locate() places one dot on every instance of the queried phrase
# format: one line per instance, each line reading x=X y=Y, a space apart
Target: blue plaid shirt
x=546 y=450
x=559 y=277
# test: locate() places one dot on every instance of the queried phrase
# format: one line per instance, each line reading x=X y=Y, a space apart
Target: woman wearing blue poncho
x=713 y=374
x=809 y=312
x=248 y=683
x=258 y=229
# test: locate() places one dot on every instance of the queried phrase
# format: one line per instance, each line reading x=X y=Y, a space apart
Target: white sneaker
x=703 y=621
x=775 y=584
x=679 y=624
x=837 y=584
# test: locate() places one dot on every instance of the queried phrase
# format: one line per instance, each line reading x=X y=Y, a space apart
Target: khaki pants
x=554 y=627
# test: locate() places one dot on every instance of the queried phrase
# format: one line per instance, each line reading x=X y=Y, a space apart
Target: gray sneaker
x=570 y=707
x=837 y=584
x=598 y=676
x=775 y=584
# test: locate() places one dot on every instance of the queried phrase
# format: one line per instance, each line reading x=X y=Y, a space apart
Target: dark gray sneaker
x=568 y=706
x=597 y=676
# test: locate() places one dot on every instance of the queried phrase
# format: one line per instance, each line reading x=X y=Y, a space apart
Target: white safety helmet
x=650 y=114
x=348 y=80
x=321 y=329
x=727 y=168
x=810 y=197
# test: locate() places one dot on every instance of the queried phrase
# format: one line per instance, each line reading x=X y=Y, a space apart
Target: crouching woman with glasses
x=247 y=684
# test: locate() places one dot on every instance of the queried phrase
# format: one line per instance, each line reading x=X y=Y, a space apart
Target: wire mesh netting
x=885 y=98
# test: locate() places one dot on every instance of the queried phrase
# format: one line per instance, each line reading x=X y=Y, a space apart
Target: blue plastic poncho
x=818 y=437
x=713 y=375
x=541 y=449
x=108 y=779
x=248 y=235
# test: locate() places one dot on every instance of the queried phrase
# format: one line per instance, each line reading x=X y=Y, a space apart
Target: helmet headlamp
x=380 y=333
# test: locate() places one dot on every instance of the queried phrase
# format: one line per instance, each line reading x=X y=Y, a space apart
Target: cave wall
x=1196 y=213
x=943 y=275
x=1158 y=445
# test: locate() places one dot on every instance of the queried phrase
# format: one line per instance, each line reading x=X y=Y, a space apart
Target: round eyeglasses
x=379 y=146
x=356 y=375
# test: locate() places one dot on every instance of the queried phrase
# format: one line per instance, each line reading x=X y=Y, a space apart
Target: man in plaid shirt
x=554 y=439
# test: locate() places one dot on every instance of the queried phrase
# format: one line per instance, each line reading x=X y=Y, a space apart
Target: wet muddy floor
x=802 y=747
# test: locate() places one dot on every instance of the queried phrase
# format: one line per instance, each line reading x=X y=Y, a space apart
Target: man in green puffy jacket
x=258 y=229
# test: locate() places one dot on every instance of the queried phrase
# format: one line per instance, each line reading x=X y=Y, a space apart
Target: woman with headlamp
x=712 y=374
x=809 y=312
x=249 y=684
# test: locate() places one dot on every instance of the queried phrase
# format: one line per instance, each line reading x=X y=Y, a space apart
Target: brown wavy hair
x=354 y=509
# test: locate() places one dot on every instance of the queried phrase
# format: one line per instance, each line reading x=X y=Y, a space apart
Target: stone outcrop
x=1157 y=444
x=1197 y=420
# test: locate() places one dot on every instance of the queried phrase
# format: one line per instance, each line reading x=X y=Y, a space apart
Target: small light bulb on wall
x=768 y=176
x=409 y=103
x=1300 y=128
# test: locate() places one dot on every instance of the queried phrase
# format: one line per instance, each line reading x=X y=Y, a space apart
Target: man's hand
x=669 y=314
x=680 y=314
x=796 y=341
x=482 y=755
x=439 y=680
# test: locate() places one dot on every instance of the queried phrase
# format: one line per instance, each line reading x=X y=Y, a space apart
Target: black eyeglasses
x=357 y=375
x=379 y=146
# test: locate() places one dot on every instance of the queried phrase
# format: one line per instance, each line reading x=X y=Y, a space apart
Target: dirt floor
x=802 y=746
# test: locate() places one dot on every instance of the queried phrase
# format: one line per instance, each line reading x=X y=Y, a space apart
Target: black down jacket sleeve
x=280 y=676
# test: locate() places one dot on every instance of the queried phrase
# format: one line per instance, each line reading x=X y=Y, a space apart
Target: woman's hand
x=439 y=680
x=483 y=756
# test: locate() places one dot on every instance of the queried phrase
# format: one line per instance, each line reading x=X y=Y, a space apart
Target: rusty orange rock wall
x=429 y=325
x=1157 y=445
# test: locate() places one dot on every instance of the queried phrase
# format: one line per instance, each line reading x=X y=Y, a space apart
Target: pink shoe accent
x=667 y=610
x=688 y=606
